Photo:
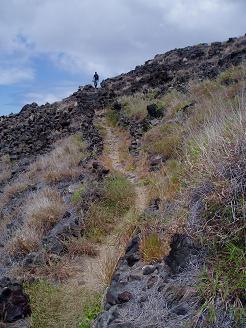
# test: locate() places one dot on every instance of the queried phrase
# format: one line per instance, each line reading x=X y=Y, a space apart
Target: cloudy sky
x=49 y=47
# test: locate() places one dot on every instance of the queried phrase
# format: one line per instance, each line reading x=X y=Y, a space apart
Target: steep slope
x=126 y=166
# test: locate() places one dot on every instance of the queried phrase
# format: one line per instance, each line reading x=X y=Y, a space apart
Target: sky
x=50 y=47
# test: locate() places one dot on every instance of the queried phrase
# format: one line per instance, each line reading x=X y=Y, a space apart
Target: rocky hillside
x=125 y=206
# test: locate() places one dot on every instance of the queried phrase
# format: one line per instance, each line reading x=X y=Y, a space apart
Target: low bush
x=112 y=117
x=76 y=197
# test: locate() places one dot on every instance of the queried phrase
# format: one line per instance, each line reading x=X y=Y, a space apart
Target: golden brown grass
x=59 y=164
x=107 y=265
x=23 y=242
x=152 y=247
x=81 y=246
x=41 y=211
x=125 y=158
x=62 y=162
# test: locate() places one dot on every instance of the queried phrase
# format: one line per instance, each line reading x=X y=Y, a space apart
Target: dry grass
x=174 y=102
x=23 y=242
x=125 y=158
x=62 y=162
x=107 y=265
x=165 y=183
x=59 y=164
x=81 y=246
x=19 y=185
x=135 y=105
x=41 y=211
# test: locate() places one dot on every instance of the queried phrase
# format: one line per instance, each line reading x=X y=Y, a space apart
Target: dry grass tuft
x=23 y=242
x=107 y=265
x=62 y=162
x=152 y=247
x=41 y=211
x=81 y=246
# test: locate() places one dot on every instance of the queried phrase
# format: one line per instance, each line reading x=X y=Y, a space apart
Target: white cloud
x=112 y=36
x=42 y=96
x=14 y=75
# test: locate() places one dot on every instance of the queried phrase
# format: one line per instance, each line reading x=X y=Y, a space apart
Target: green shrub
x=135 y=106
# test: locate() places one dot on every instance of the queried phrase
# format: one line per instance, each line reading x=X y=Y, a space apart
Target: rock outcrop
x=177 y=67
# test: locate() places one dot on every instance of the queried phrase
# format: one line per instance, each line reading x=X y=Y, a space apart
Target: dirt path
x=111 y=142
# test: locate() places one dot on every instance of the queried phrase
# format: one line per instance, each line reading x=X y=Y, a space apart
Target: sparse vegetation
x=5 y=168
x=78 y=194
x=201 y=141
x=112 y=117
x=81 y=246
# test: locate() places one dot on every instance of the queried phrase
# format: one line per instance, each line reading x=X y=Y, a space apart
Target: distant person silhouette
x=95 y=79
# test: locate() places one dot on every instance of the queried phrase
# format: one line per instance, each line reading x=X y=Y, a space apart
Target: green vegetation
x=117 y=198
x=78 y=194
x=112 y=117
x=225 y=278
x=90 y=311
x=135 y=105
x=163 y=139
x=57 y=306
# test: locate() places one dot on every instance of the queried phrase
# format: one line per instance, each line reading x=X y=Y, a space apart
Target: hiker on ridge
x=95 y=79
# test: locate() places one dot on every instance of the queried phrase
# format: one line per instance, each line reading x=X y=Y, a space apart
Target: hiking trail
x=107 y=252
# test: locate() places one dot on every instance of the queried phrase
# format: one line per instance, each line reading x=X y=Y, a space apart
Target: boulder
x=14 y=303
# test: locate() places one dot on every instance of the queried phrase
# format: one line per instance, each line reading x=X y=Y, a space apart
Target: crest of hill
x=32 y=131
